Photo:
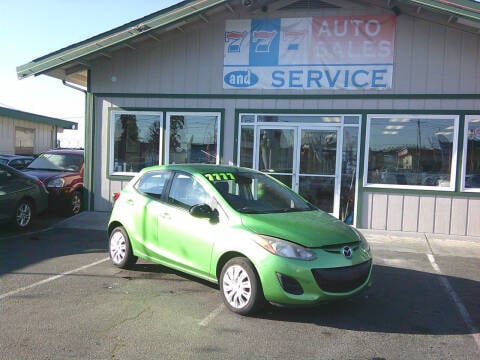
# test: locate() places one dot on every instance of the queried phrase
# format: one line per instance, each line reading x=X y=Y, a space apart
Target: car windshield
x=256 y=193
x=57 y=162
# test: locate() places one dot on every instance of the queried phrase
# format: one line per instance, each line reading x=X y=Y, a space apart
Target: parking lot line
x=212 y=315
x=458 y=303
x=52 y=278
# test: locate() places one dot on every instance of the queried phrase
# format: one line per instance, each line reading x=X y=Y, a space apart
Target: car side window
x=5 y=176
x=153 y=183
x=186 y=192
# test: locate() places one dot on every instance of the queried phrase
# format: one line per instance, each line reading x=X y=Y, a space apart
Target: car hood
x=46 y=175
x=307 y=228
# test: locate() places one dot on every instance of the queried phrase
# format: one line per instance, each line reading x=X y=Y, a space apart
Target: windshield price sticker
x=219 y=176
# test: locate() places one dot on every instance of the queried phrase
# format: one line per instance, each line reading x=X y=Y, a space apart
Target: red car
x=61 y=170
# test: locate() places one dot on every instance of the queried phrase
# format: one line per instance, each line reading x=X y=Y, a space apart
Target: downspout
x=64 y=82
x=87 y=181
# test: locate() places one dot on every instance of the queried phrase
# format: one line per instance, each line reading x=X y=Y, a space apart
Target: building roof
x=22 y=115
x=72 y=62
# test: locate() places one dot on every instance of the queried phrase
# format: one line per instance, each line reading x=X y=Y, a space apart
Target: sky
x=33 y=28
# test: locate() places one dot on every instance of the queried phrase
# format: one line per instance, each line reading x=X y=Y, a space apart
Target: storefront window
x=472 y=152
x=136 y=141
x=406 y=150
x=192 y=138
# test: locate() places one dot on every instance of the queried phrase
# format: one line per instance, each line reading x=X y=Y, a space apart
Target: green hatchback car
x=239 y=228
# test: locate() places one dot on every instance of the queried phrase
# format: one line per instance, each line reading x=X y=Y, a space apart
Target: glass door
x=318 y=166
x=276 y=152
x=304 y=158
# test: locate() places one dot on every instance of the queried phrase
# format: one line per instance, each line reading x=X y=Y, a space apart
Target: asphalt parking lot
x=60 y=298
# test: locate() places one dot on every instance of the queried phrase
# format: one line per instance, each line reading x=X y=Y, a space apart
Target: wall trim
x=330 y=96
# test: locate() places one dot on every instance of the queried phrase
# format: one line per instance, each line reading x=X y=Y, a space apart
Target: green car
x=241 y=229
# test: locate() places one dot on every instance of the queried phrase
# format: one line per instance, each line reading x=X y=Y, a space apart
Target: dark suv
x=61 y=170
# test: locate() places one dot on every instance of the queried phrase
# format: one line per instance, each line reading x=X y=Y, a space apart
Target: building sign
x=326 y=53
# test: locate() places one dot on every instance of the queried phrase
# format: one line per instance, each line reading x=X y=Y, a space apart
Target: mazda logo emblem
x=347 y=252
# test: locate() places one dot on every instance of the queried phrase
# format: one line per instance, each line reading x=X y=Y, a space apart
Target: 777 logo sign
x=234 y=40
x=263 y=40
x=294 y=39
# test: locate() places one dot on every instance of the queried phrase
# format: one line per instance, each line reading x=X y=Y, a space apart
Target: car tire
x=24 y=213
x=120 y=249
x=241 y=289
x=76 y=203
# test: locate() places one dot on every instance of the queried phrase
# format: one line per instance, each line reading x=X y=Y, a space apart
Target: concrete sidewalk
x=436 y=244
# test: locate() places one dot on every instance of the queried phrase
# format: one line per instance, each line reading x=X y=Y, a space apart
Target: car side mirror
x=203 y=211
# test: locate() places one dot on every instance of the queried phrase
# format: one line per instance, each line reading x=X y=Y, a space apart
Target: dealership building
x=369 y=109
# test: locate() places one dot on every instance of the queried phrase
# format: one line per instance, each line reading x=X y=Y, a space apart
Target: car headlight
x=363 y=242
x=284 y=248
x=56 y=183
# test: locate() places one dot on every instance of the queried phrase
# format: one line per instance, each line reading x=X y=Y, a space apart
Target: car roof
x=199 y=168
x=65 y=151
x=10 y=156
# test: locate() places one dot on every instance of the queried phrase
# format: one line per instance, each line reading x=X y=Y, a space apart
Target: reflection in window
x=193 y=138
x=153 y=183
x=411 y=150
x=300 y=118
x=246 y=146
x=187 y=192
x=472 y=165
x=349 y=167
x=276 y=150
x=136 y=141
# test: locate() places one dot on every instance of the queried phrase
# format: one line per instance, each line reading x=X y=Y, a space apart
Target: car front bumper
x=331 y=276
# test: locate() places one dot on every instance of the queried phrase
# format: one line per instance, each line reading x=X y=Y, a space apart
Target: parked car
x=242 y=229
x=61 y=170
x=16 y=161
x=22 y=197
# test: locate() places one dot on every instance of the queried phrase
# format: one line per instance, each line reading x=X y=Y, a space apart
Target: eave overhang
x=71 y=63
x=22 y=115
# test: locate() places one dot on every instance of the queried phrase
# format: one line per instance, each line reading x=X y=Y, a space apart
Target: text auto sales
x=343 y=54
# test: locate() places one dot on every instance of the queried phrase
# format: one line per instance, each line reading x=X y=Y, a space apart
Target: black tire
x=24 y=214
x=241 y=289
x=76 y=202
x=120 y=249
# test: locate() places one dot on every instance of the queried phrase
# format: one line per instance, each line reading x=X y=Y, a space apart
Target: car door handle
x=130 y=202
x=165 y=216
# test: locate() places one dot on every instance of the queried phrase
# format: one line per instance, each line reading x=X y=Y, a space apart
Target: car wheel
x=240 y=287
x=24 y=214
x=76 y=203
x=120 y=249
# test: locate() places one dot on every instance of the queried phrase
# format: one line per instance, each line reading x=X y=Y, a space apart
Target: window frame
x=454 y=161
x=111 y=146
x=468 y=118
x=169 y=114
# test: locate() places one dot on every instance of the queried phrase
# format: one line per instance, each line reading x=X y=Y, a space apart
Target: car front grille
x=343 y=279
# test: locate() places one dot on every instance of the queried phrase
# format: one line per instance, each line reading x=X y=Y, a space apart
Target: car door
x=187 y=241
x=144 y=206
x=12 y=188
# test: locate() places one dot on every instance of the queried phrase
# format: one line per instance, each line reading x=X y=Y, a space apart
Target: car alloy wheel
x=24 y=214
x=120 y=248
x=76 y=203
x=241 y=289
